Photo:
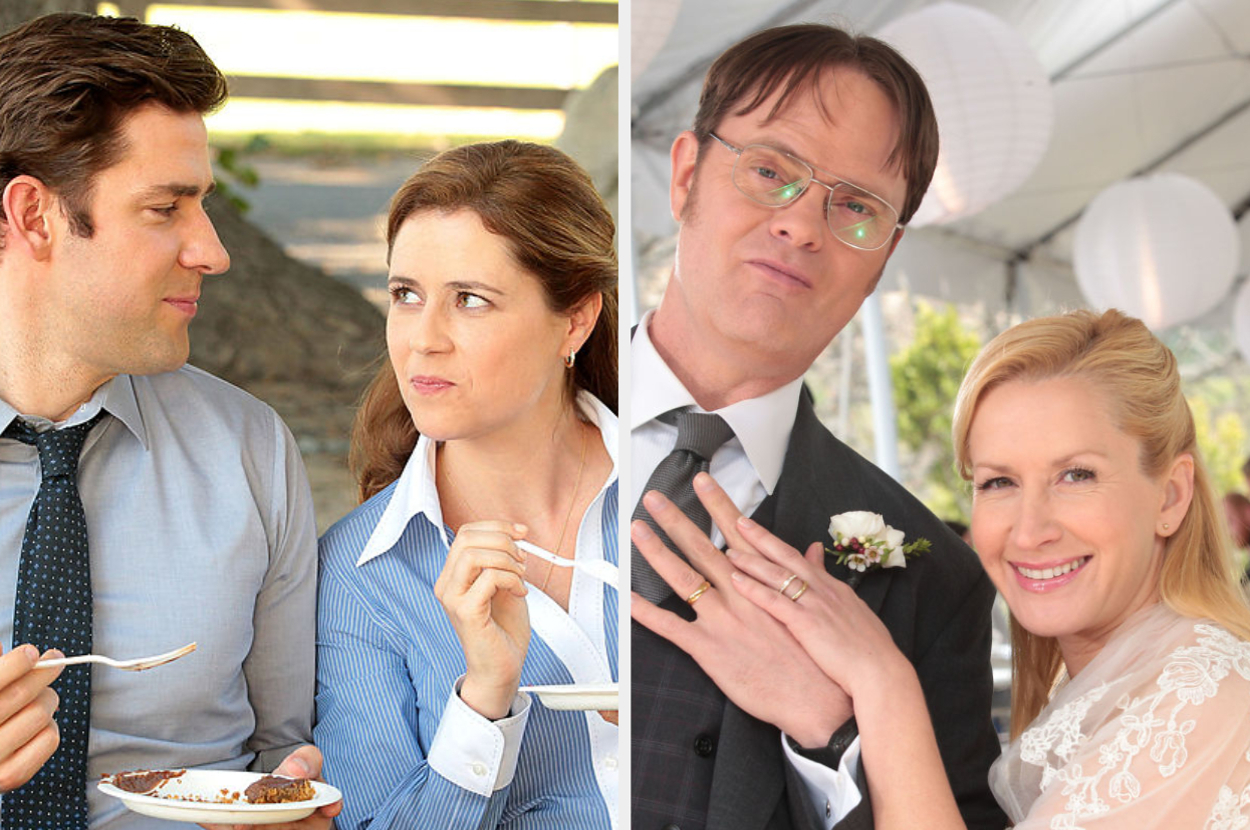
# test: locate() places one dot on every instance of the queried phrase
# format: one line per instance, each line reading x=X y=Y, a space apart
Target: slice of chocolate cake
x=274 y=789
x=142 y=781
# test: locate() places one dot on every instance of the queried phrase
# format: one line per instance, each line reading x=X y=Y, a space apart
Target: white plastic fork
x=600 y=569
x=138 y=664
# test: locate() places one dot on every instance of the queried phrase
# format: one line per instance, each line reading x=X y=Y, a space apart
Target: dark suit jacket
x=937 y=609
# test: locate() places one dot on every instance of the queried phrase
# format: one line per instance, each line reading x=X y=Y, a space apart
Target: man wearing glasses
x=810 y=150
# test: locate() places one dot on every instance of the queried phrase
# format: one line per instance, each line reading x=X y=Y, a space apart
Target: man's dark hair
x=794 y=59
x=68 y=82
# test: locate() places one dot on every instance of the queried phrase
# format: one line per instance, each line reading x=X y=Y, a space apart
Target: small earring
x=1167 y=526
x=568 y=361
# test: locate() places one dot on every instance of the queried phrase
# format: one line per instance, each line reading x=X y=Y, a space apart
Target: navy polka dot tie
x=52 y=609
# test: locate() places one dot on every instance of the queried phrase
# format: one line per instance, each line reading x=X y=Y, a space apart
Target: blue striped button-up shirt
x=397 y=739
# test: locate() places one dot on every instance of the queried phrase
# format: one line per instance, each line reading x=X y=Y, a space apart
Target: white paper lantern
x=1163 y=248
x=650 y=22
x=993 y=102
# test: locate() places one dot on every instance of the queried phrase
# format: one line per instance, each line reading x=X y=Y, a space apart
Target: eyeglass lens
x=772 y=178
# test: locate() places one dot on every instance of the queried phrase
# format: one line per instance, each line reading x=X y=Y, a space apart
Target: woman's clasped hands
x=482 y=589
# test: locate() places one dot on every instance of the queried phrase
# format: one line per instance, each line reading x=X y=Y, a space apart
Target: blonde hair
x=1138 y=375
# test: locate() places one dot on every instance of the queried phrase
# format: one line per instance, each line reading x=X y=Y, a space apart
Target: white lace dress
x=1153 y=733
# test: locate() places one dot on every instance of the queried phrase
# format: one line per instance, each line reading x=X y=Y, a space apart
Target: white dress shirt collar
x=416 y=492
x=122 y=403
x=762 y=424
x=116 y=395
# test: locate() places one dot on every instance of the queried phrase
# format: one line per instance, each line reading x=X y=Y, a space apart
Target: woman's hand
x=482 y=589
x=835 y=627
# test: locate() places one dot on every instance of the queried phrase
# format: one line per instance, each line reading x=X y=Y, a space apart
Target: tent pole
x=884 y=429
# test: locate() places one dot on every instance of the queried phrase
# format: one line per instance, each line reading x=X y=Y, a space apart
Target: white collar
x=762 y=425
x=116 y=396
x=416 y=492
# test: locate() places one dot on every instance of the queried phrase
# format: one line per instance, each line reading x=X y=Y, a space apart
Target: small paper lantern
x=992 y=99
x=1163 y=248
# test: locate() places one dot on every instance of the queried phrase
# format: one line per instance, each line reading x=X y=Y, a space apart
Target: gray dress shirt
x=200 y=527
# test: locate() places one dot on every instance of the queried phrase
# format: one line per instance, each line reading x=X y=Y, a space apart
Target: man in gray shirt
x=197 y=512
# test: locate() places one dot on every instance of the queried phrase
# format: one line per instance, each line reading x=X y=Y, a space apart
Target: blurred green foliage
x=234 y=173
x=1221 y=434
x=926 y=376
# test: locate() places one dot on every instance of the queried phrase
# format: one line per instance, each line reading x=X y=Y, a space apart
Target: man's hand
x=28 y=733
x=751 y=656
x=304 y=762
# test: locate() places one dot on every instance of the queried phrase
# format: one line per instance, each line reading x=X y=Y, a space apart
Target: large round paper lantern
x=993 y=103
x=1163 y=248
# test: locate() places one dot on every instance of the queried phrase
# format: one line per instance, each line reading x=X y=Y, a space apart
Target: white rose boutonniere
x=863 y=541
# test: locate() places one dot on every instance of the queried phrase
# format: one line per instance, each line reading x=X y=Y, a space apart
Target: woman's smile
x=1064 y=518
x=1040 y=579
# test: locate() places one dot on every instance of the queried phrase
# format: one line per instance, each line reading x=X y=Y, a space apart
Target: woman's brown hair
x=1138 y=375
x=556 y=227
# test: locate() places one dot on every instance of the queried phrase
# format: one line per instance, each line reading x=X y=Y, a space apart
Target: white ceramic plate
x=208 y=784
x=574 y=696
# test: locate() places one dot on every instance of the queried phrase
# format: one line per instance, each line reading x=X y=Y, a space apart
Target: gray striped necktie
x=698 y=437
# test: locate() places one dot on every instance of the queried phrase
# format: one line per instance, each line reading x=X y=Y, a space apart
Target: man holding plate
x=143 y=503
x=810 y=150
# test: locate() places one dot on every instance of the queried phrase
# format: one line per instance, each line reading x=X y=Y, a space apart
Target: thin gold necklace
x=577 y=485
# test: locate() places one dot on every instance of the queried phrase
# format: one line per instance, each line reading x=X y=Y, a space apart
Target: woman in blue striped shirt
x=494 y=421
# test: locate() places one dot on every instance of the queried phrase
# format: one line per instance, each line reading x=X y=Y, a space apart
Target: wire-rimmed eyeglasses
x=776 y=178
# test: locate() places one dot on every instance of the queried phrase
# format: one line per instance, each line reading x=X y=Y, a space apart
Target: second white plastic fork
x=600 y=569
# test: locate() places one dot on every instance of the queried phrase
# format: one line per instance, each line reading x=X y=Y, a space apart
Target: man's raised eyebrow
x=176 y=190
x=786 y=148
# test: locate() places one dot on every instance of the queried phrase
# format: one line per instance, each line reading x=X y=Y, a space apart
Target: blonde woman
x=1095 y=518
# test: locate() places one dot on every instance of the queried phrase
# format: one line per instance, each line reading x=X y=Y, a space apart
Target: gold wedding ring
x=795 y=596
x=786 y=584
x=698 y=592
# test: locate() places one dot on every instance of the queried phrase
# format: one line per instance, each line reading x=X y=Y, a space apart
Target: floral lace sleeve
x=1171 y=750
